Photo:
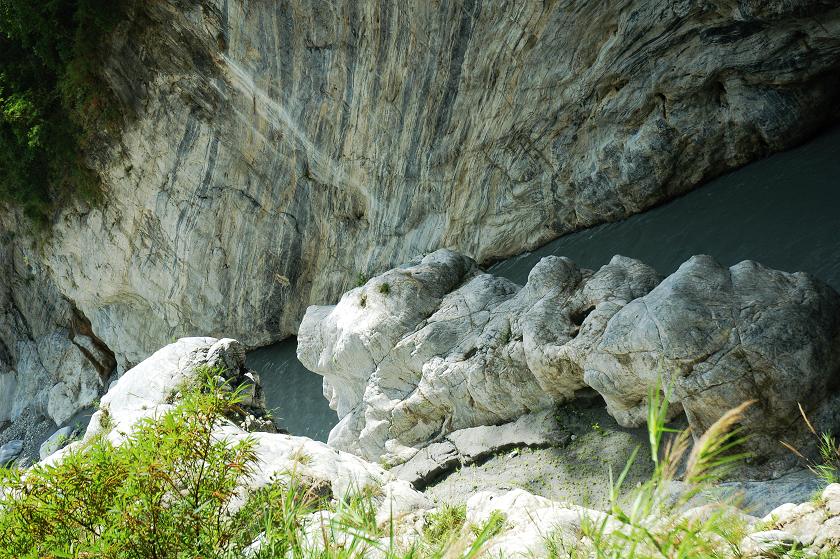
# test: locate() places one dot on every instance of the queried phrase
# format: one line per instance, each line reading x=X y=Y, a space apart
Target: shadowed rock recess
x=437 y=346
x=277 y=150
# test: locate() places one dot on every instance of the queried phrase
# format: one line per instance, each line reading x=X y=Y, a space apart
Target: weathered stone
x=10 y=451
x=760 y=497
x=8 y=386
x=572 y=467
x=815 y=524
x=828 y=535
x=537 y=429
x=531 y=522
x=151 y=387
x=831 y=498
x=78 y=386
x=274 y=154
x=349 y=349
x=721 y=337
x=428 y=464
x=708 y=512
x=57 y=441
x=482 y=351
x=466 y=446
x=226 y=354
x=403 y=370
x=50 y=365
x=772 y=543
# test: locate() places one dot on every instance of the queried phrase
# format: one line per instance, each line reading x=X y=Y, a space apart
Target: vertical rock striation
x=51 y=363
x=280 y=149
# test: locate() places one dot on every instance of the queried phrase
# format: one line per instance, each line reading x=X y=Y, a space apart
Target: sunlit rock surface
x=404 y=370
x=531 y=523
x=277 y=151
x=154 y=386
x=51 y=363
x=723 y=336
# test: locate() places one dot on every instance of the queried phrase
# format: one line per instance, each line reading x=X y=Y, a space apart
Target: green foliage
x=828 y=466
x=385 y=288
x=494 y=524
x=600 y=430
x=445 y=523
x=279 y=511
x=52 y=101
x=347 y=528
x=651 y=525
x=167 y=492
x=164 y=493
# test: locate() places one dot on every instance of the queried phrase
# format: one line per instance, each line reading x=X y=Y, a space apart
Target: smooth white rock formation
x=437 y=346
x=722 y=336
x=482 y=351
x=151 y=388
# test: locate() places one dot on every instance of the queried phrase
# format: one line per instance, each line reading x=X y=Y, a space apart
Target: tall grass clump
x=828 y=466
x=648 y=523
x=297 y=522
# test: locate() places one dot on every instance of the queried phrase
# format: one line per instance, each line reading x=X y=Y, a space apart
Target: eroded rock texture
x=279 y=149
x=437 y=346
x=155 y=387
x=723 y=336
x=51 y=363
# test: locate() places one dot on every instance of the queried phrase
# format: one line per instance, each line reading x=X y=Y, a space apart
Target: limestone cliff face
x=282 y=148
x=51 y=363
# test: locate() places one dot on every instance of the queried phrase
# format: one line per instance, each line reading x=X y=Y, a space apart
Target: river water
x=293 y=393
x=783 y=211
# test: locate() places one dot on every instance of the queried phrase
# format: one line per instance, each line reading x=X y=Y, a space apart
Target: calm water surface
x=783 y=211
x=292 y=392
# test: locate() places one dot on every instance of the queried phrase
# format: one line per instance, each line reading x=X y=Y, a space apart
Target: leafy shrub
x=167 y=492
x=163 y=493
x=52 y=101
